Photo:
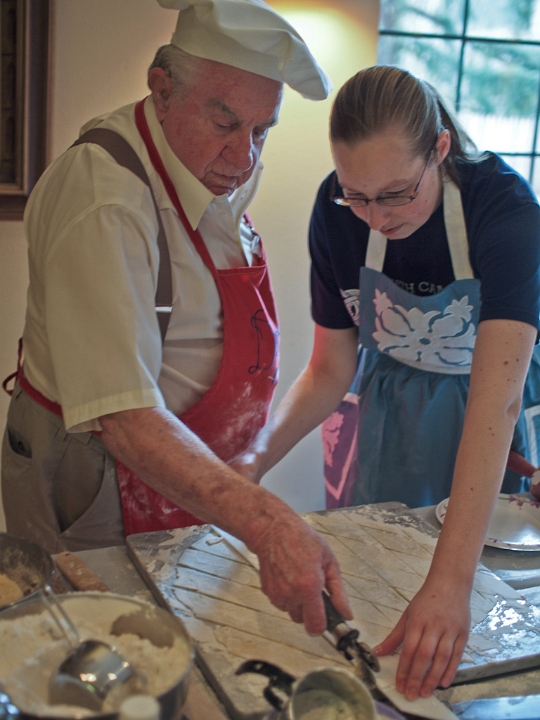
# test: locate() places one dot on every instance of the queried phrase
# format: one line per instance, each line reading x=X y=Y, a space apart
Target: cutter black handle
x=334 y=619
x=346 y=637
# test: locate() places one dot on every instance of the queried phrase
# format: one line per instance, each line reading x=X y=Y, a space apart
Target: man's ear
x=160 y=85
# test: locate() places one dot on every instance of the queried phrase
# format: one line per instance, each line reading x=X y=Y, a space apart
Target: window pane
x=537 y=138
x=497 y=133
x=509 y=19
x=436 y=61
x=499 y=95
x=521 y=164
x=536 y=176
x=423 y=16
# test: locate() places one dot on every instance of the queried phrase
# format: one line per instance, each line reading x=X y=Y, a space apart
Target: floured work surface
x=384 y=553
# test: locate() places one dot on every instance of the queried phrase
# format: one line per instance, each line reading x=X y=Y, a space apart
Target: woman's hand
x=434 y=630
x=247 y=465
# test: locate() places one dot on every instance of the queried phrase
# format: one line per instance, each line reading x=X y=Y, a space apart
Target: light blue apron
x=412 y=384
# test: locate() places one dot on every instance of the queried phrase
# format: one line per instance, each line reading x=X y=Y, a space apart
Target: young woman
x=430 y=253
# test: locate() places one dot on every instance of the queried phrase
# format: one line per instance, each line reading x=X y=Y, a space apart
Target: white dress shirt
x=91 y=338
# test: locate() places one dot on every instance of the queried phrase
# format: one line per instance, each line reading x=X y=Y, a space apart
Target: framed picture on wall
x=24 y=41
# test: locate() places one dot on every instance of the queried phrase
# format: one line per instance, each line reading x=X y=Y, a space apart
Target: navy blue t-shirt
x=502 y=217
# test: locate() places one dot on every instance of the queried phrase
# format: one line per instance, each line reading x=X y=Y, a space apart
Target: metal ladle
x=92 y=668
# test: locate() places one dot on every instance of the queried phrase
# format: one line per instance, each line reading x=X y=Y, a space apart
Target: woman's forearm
x=311 y=399
x=501 y=359
x=433 y=630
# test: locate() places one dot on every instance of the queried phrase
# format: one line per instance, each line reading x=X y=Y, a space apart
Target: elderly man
x=151 y=340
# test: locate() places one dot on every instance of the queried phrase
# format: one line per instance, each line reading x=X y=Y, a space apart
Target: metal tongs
x=345 y=639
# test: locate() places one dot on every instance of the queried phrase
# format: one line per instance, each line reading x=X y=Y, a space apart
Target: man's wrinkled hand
x=296 y=564
x=433 y=632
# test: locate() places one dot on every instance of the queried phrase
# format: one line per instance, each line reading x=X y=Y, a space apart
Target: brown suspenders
x=121 y=151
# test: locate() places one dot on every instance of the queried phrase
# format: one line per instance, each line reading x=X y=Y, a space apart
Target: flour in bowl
x=32 y=648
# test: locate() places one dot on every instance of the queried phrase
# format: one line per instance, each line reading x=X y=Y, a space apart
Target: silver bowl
x=121 y=614
x=24 y=562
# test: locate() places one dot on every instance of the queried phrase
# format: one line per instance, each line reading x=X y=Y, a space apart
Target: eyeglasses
x=381 y=199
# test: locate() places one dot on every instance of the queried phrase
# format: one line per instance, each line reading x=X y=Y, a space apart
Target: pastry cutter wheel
x=346 y=640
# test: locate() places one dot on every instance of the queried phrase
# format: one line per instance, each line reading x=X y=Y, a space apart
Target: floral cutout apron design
x=409 y=394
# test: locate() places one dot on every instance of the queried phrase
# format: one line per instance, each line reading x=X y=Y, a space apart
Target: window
x=483 y=56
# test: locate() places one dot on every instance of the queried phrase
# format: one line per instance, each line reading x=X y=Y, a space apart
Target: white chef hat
x=250 y=35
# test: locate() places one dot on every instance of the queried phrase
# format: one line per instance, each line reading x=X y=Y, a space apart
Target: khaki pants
x=59 y=489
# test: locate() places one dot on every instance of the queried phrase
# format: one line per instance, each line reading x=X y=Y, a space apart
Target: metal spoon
x=91 y=670
x=8 y=711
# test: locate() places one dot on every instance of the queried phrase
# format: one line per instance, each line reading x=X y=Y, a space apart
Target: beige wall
x=13 y=282
x=100 y=52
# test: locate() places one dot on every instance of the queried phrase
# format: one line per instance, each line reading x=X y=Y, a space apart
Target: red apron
x=237 y=404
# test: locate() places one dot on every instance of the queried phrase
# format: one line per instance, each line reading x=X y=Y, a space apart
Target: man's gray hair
x=180 y=66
